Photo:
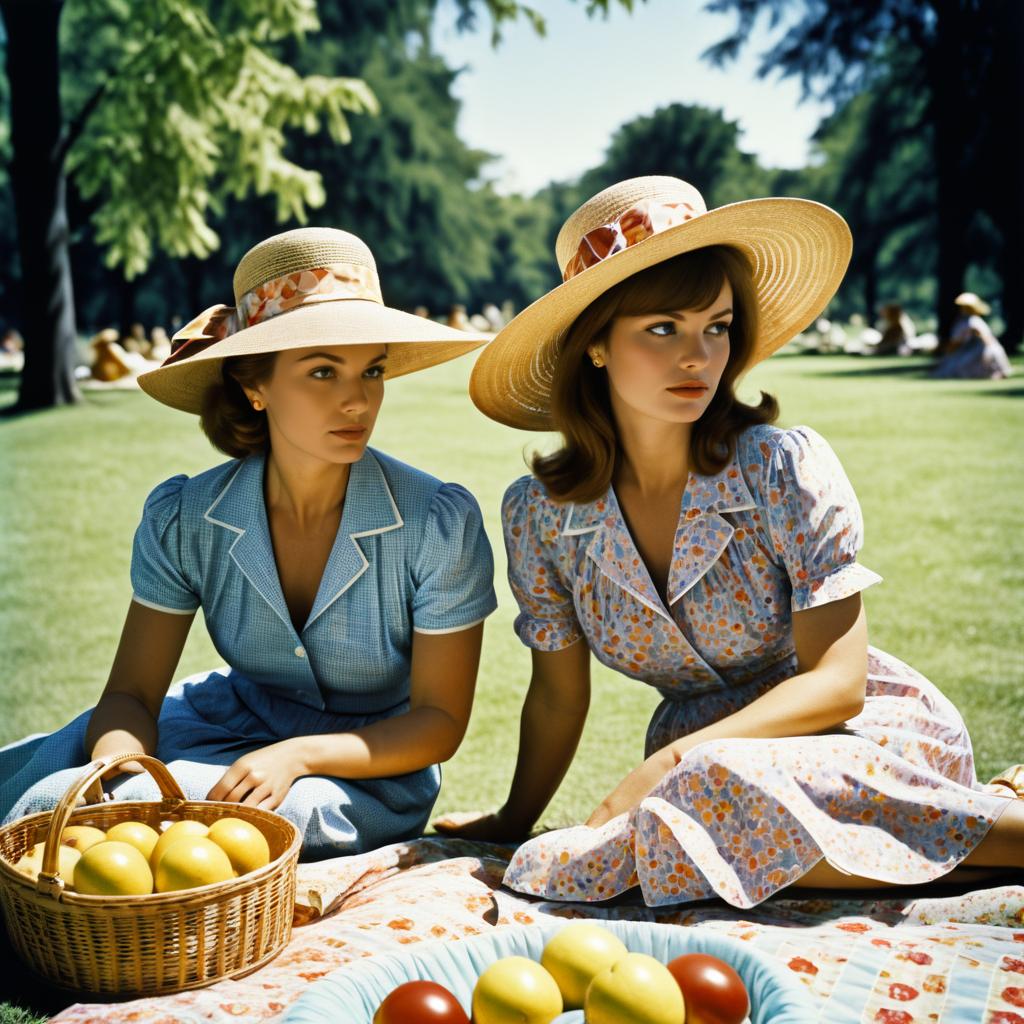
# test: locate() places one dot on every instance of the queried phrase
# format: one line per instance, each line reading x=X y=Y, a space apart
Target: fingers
x=461 y=822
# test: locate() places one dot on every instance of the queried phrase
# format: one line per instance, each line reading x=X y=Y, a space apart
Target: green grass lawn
x=936 y=465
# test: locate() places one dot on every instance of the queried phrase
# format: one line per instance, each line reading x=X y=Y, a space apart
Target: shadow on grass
x=1015 y=392
x=95 y=397
x=917 y=369
x=24 y=991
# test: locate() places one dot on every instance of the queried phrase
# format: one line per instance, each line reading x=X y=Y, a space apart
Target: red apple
x=714 y=993
x=420 y=1002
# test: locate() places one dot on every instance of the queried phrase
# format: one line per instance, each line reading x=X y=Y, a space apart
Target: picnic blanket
x=899 y=960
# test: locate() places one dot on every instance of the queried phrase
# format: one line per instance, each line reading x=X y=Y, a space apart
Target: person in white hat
x=974 y=352
x=345 y=590
x=690 y=545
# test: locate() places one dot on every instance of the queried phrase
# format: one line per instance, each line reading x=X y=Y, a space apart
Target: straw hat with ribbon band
x=798 y=251
x=968 y=300
x=310 y=286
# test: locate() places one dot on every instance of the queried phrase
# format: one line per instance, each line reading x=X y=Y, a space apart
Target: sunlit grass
x=936 y=466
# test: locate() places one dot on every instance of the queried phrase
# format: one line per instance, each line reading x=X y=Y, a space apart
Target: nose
x=353 y=398
x=693 y=350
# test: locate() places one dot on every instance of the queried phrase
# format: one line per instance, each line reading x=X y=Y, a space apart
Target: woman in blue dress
x=345 y=590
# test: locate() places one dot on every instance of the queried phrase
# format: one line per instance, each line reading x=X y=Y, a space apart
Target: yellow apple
x=190 y=862
x=81 y=837
x=577 y=953
x=113 y=869
x=244 y=843
x=515 y=990
x=180 y=829
x=31 y=863
x=135 y=833
x=636 y=990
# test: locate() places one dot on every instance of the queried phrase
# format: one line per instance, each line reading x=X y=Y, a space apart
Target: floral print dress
x=892 y=795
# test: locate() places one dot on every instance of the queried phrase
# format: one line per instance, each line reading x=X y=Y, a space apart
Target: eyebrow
x=682 y=316
x=339 y=359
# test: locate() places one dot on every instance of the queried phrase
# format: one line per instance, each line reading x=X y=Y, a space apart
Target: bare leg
x=824 y=876
x=1003 y=845
x=1002 y=848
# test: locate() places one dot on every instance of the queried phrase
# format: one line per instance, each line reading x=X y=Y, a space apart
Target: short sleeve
x=814 y=520
x=547 y=616
x=454 y=570
x=158 y=580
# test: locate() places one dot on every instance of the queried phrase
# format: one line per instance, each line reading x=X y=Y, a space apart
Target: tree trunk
x=950 y=146
x=1004 y=155
x=871 y=280
x=37 y=181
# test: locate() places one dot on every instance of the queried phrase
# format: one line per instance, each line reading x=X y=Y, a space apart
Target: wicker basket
x=145 y=945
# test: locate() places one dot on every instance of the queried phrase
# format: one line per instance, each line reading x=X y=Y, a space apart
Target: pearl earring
x=257 y=406
x=598 y=361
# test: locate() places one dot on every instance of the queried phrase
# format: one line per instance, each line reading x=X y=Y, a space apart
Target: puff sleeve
x=158 y=580
x=454 y=570
x=547 y=616
x=814 y=520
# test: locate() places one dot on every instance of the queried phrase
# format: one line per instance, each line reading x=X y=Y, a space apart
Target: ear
x=255 y=397
x=596 y=353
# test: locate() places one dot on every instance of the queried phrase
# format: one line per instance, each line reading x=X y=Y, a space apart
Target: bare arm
x=442 y=680
x=551 y=724
x=125 y=717
x=831 y=648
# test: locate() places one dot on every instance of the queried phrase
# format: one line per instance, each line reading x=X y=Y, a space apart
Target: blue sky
x=547 y=106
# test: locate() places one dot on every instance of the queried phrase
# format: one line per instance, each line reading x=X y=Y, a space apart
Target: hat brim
x=798 y=251
x=414 y=343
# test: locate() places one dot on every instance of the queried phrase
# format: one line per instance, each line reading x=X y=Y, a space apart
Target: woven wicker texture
x=798 y=251
x=145 y=945
x=414 y=342
x=296 y=250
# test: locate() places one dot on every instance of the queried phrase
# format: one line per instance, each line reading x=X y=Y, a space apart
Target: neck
x=655 y=456
x=304 y=489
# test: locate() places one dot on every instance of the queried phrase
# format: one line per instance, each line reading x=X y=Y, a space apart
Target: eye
x=322 y=372
x=719 y=330
x=662 y=329
x=375 y=372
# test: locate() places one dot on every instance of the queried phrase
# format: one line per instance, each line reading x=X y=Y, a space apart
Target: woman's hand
x=262 y=777
x=634 y=787
x=491 y=828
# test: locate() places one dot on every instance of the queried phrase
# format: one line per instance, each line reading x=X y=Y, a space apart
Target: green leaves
x=196 y=107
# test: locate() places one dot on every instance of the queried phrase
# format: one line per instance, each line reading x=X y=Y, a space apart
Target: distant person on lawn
x=974 y=351
x=691 y=546
x=897 y=331
x=345 y=590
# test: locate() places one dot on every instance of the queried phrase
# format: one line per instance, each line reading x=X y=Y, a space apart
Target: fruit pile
x=133 y=859
x=587 y=971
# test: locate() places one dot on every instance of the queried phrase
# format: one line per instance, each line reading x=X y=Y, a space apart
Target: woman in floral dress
x=692 y=546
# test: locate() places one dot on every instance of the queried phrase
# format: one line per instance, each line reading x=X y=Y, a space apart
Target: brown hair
x=228 y=419
x=582 y=469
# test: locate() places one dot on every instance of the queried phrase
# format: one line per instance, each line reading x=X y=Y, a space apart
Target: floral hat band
x=272 y=298
x=636 y=224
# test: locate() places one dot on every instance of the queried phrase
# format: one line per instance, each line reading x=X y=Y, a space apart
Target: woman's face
x=322 y=402
x=666 y=366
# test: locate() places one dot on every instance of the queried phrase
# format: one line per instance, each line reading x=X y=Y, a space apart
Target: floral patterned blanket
x=894 y=961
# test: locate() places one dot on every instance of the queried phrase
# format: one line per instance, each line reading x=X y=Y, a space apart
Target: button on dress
x=410 y=555
x=891 y=795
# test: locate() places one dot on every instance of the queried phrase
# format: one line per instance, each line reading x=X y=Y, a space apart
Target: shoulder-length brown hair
x=582 y=469
x=228 y=418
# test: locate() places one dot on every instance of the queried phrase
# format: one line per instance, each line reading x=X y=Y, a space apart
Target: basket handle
x=49 y=881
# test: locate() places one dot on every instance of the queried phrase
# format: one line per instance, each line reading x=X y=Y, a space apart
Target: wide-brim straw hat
x=301 y=288
x=798 y=251
x=968 y=300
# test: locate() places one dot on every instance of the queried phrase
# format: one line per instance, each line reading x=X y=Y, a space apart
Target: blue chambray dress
x=410 y=555
x=891 y=795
